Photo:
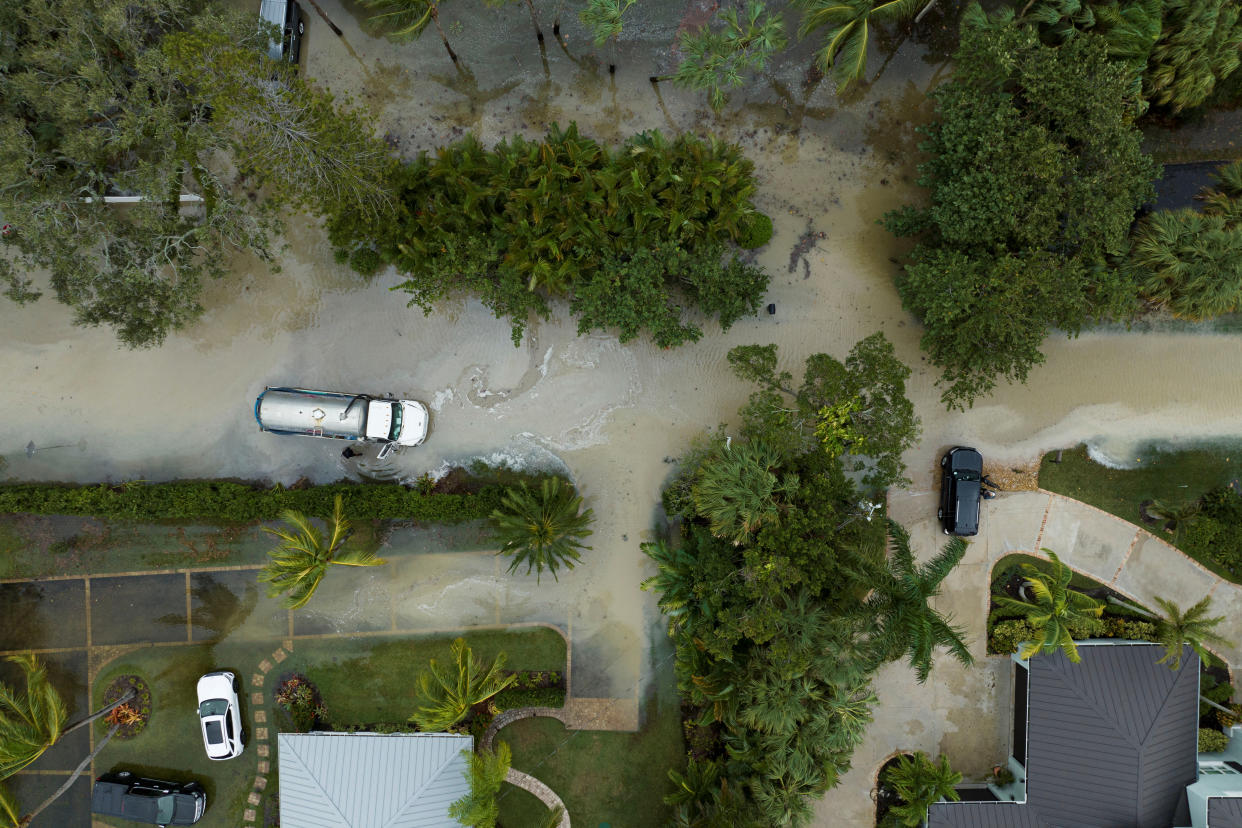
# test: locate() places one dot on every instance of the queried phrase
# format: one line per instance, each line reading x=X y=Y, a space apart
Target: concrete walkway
x=966 y=712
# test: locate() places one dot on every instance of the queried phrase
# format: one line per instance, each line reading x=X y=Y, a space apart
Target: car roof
x=274 y=11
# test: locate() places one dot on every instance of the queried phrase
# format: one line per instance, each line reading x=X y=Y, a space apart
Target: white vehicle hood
x=414 y=423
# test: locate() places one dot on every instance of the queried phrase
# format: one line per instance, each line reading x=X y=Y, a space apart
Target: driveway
x=966 y=712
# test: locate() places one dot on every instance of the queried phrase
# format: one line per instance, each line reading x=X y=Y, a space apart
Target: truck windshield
x=967 y=475
x=395 y=432
x=164 y=808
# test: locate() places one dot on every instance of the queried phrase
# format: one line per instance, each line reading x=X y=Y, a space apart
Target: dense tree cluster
x=631 y=236
x=781 y=600
x=1179 y=49
x=1035 y=176
x=1190 y=261
x=153 y=99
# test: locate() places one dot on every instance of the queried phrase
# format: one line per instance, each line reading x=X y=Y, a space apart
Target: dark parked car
x=150 y=801
x=287 y=15
x=961 y=489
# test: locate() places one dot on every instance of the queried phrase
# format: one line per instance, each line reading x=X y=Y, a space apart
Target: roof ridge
x=418 y=792
x=291 y=749
x=1095 y=703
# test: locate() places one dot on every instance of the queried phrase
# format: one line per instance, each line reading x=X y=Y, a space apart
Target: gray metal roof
x=1224 y=812
x=1111 y=743
x=369 y=780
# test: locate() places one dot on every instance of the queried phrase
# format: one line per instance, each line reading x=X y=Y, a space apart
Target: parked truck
x=386 y=421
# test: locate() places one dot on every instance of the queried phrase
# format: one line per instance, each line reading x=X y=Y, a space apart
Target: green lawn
x=36 y=545
x=1171 y=476
x=363 y=680
x=613 y=778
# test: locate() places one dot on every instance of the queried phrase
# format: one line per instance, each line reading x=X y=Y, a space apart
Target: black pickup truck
x=150 y=801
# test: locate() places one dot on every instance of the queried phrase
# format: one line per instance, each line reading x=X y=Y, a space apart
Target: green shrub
x=755 y=231
x=232 y=502
x=1212 y=741
x=1007 y=634
x=515 y=697
x=365 y=261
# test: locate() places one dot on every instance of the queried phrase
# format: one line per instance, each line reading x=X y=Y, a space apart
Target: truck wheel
x=301 y=27
x=124 y=775
x=940 y=514
x=944 y=461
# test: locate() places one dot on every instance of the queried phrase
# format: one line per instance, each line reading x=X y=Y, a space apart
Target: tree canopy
x=96 y=101
x=855 y=409
x=1035 y=176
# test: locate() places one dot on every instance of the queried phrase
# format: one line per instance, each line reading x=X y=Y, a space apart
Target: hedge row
x=225 y=501
x=1005 y=636
x=516 y=697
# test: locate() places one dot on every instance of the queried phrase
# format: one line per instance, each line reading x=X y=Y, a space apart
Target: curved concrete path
x=966 y=712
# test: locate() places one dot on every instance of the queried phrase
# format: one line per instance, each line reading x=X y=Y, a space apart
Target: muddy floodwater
x=613 y=416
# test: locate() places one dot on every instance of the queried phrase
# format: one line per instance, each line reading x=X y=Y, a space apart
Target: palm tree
x=919 y=782
x=716 y=60
x=736 y=489
x=1053 y=606
x=848 y=31
x=406 y=19
x=31 y=722
x=1175 y=516
x=1193 y=627
x=908 y=623
x=445 y=697
x=604 y=19
x=543 y=528
x=298 y=565
x=486 y=772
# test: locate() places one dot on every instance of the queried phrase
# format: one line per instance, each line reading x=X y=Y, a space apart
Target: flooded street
x=611 y=415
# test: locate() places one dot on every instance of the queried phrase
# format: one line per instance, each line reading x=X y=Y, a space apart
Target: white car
x=219 y=713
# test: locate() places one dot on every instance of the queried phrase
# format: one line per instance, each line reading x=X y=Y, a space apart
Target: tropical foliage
x=1190 y=261
x=1051 y=607
x=632 y=237
x=486 y=773
x=1194 y=628
x=296 y=567
x=918 y=782
x=781 y=604
x=909 y=625
x=404 y=20
x=847 y=31
x=1178 y=50
x=1035 y=176
x=856 y=410
x=31 y=720
x=154 y=100
x=715 y=60
x=604 y=18
x=444 y=696
x=542 y=529
x=34 y=719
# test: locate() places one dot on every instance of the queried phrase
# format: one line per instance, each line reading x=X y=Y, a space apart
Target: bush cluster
x=1215 y=534
x=632 y=236
x=233 y=502
x=1212 y=741
x=1006 y=635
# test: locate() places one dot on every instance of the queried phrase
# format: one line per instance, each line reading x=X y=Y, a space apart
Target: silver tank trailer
x=313 y=413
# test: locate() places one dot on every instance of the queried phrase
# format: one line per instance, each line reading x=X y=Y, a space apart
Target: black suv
x=152 y=801
x=961 y=489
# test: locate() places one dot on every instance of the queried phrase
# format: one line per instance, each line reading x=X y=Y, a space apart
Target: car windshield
x=215 y=733
x=395 y=432
x=967 y=475
x=164 y=807
x=212 y=707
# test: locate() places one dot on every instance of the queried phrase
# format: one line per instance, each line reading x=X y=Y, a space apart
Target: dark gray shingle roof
x=1224 y=812
x=1111 y=743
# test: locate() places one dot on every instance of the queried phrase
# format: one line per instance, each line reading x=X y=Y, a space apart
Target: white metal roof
x=371 y=780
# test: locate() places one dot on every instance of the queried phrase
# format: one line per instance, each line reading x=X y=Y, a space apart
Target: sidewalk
x=965 y=712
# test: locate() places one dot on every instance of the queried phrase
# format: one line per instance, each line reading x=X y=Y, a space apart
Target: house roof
x=371 y=780
x=1111 y=743
x=1224 y=812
